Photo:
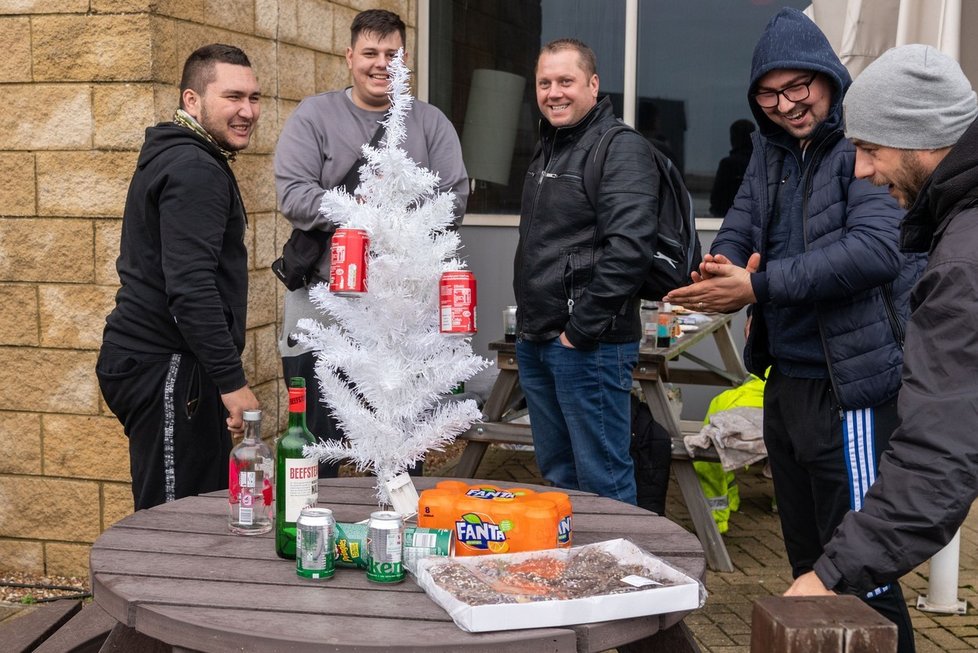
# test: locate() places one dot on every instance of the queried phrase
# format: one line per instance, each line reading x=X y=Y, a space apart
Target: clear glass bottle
x=296 y=477
x=251 y=468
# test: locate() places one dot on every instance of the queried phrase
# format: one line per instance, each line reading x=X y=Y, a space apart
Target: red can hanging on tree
x=458 y=303
x=348 y=262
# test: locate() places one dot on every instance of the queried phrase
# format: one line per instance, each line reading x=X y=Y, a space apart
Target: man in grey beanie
x=816 y=254
x=911 y=115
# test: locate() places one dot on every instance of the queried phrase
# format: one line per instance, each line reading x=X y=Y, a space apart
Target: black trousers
x=319 y=418
x=175 y=420
x=822 y=463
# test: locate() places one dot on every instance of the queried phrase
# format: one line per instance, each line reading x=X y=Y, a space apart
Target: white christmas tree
x=386 y=342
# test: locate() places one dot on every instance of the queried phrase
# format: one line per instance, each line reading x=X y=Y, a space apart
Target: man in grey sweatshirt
x=320 y=143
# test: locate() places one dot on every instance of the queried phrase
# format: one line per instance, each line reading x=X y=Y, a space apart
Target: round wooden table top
x=175 y=573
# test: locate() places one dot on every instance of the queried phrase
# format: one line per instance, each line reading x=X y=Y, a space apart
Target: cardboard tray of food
x=557 y=587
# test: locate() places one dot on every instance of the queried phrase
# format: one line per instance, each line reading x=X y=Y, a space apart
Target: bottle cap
x=252 y=415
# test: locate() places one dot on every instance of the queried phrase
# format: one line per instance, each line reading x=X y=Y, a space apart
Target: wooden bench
x=62 y=626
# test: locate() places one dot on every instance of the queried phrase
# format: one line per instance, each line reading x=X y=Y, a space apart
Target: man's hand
x=808 y=584
x=564 y=341
x=237 y=403
x=701 y=273
x=722 y=287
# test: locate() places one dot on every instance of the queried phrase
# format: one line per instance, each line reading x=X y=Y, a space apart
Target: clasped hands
x=718 y=286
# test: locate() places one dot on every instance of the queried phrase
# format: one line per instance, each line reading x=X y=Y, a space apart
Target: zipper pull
x=570 y=306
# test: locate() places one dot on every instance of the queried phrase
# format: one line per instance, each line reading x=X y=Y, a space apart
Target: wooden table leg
x=499 y=398
x=678 y=639
x=699 y=510
x=728 y=352
x=468 y=463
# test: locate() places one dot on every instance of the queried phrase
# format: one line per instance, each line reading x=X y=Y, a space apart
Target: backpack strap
x=594 y=164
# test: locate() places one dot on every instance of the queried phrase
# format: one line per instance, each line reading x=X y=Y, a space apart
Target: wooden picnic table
x=652 y=373
x=174 y=576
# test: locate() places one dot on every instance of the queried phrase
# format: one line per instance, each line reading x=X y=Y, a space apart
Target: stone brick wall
x=81 y=80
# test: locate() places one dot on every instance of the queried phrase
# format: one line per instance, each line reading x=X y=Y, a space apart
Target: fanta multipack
x=490 y=519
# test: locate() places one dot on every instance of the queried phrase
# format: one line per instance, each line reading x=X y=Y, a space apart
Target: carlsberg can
x=315 y=534
x=385 y=540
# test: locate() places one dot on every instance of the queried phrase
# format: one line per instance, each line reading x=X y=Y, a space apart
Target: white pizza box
x=681 y=594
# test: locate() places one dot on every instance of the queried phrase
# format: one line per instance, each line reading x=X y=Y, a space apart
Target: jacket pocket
x=574 y=277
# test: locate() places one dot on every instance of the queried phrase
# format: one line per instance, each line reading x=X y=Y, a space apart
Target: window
x=691 y=70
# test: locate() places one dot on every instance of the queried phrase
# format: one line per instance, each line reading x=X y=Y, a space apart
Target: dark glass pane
x=480 y=49
x=693 y=69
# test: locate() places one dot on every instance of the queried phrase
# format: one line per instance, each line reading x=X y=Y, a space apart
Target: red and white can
x=458 y=303
x=348 y=262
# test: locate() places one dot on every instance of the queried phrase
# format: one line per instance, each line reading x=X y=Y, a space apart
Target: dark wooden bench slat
x=25 y=632
x=84 y=633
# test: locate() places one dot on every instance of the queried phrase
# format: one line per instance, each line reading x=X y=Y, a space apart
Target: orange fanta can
x=564 y=514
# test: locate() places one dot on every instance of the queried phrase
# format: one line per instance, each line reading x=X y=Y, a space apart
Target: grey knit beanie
x=913 y=97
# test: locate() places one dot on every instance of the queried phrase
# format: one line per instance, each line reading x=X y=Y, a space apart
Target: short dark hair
x=377 y=21
x=198 y=71
x=589 y=62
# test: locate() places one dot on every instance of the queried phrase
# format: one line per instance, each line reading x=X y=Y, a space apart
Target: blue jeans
x=580 y=414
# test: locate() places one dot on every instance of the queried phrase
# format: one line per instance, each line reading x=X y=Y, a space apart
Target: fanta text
x=471 y=531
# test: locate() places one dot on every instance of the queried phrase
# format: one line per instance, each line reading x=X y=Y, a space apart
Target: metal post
x=942 y=586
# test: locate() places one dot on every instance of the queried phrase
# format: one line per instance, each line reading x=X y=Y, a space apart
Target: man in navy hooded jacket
x=815 y=251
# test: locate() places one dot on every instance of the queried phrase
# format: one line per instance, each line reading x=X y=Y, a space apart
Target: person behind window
x=577 y=270
x=816 y=252
x=170 y=363
x=730 y=172
x=320 y=144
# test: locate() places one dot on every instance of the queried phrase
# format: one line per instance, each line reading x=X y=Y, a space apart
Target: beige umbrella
x=862 y=30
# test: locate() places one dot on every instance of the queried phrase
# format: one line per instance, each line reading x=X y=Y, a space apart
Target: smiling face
x=904 y=172
x=229 y=106
x=797 y=118
x=565 y=92
x=367 y=60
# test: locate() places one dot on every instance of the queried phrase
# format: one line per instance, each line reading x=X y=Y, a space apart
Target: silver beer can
x=385 y=547
x=315 y=542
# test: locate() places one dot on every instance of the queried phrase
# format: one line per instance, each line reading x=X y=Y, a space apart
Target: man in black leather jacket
x=578 y=268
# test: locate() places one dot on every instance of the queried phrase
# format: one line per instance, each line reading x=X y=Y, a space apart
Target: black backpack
x=651 y=451
x=677 y=249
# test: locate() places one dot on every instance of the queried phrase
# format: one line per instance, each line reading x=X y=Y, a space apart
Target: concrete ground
x=761 y=566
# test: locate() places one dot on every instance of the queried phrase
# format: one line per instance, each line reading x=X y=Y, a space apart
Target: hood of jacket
x=165 y=135
x=791 y=41
x=953 y=183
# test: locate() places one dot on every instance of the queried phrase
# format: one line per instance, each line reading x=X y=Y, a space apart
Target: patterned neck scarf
x=184 y=119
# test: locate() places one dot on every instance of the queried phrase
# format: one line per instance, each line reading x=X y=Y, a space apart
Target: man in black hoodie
x=914 y=119
x=170 y=363
x=815 y=251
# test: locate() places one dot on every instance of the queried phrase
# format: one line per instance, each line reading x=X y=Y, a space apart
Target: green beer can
x=314 y=548
x=385 y=538
x=423 y=542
